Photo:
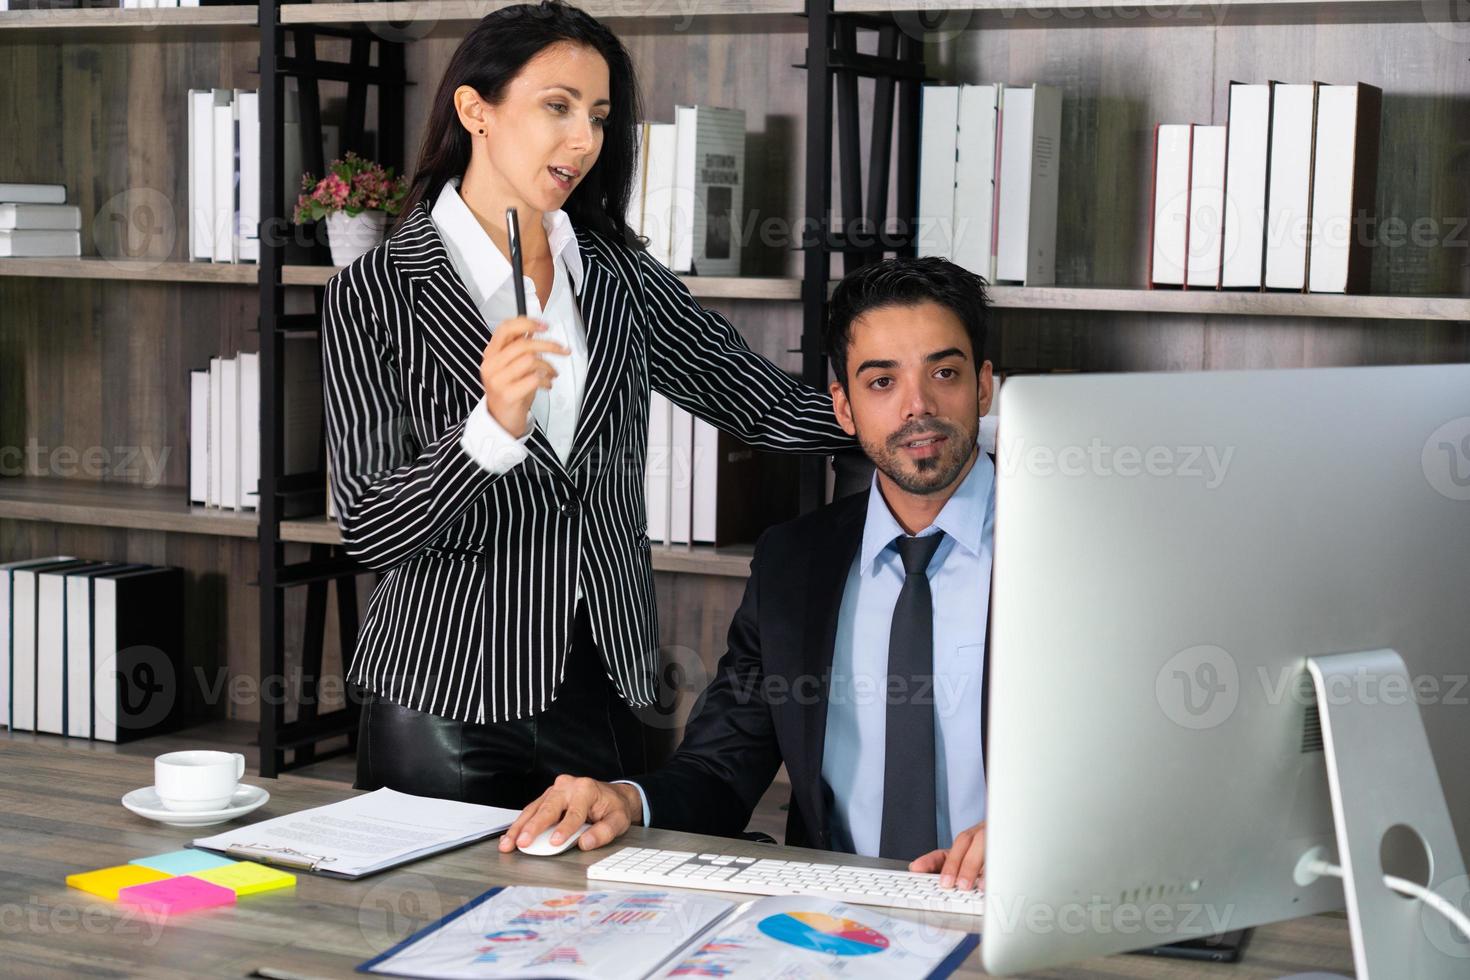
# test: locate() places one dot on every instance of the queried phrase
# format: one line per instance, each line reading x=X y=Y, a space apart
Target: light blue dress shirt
x=857 y=715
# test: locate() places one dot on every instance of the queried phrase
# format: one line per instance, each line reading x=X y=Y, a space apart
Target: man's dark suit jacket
x=768 y=701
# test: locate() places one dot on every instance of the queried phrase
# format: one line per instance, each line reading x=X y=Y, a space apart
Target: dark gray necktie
x=910 y=810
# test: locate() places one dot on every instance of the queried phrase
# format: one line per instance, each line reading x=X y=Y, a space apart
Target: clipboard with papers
x=362 y=835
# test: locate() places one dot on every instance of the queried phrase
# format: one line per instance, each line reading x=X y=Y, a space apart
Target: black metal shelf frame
x=327 y=564
x=866 y=233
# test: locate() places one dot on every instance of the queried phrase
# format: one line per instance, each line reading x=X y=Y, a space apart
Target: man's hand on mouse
x=570 y=802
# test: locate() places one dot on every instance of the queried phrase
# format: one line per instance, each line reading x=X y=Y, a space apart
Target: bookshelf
x=64 y=501
x=94 y=352
x=102 y=25
x=1209 y=302
x=1289 y=11
x=705 y=287
x=637 y=14
x=730 y=562
x=1196 y=302
x=126 y=270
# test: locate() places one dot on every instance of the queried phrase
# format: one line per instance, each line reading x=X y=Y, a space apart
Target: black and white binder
x=81 y=668
x=137 y=643
x=24 y=616
x=7 y=631
x=51 y=646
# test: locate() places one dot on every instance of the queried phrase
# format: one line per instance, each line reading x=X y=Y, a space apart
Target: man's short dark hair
x=905 y=282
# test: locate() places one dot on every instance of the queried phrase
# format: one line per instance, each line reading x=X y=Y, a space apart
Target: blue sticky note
x=183 y=862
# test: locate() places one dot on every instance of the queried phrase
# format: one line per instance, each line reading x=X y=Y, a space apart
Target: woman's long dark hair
x=493 y=53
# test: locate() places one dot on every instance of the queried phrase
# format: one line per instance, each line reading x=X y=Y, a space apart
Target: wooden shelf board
x=119 y=505
x=1020 y=7
x=760 y=14
x=101 y=25
x=742 y=287
x=1126 y=300
x=1199 y=302
x=1102 y=13
x=753 y=14
x=136 y=25
x=91 y=267
x=311 y=530
x=1218 y=302
x=733 y=562
x=702 y=287
x=308 y=275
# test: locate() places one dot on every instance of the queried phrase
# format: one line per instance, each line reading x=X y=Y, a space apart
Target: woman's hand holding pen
x=513 y=369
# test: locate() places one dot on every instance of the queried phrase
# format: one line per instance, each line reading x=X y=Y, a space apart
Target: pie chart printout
x=824 y=934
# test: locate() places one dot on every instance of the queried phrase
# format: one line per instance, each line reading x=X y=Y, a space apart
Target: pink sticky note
x=182 y=894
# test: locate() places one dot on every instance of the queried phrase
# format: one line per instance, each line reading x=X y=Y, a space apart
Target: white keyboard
x=769 y=876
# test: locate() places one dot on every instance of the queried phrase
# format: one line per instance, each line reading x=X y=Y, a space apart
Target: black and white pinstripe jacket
x=473 y=617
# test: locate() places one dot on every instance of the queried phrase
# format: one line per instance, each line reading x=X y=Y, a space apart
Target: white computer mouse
x=543 y=847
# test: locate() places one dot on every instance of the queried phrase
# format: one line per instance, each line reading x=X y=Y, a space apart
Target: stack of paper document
x=364 y=834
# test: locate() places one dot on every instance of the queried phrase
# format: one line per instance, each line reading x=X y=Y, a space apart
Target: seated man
x=857 y=655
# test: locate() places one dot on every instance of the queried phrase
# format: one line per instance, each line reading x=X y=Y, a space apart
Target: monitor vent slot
x=1312 y=730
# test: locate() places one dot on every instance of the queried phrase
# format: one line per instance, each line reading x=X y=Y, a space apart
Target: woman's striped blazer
x=473 y=617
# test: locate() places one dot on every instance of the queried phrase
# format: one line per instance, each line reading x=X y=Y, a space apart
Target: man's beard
x=923 y=476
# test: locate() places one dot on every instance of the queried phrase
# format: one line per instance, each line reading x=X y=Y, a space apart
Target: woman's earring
x=482 y=132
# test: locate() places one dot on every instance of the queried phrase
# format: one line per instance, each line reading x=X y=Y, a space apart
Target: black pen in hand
x=517 y=274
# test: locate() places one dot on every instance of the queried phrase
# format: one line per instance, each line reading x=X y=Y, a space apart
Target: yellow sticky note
x=107 y=882
x=246 y=877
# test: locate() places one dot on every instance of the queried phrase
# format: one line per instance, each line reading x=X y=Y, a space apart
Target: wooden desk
x=59 y=813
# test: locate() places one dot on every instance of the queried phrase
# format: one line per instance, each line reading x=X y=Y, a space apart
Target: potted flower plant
x=356 y=197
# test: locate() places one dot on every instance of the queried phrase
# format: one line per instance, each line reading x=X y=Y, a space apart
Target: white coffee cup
x=198 y=780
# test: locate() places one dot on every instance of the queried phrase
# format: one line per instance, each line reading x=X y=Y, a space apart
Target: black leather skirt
x=587 y=731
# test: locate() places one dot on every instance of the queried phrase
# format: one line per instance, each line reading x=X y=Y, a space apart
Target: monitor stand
x=1390 y=816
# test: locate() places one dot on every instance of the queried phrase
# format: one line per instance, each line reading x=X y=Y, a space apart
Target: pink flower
x=371 y=187
x=331 y=190
x=354 y=184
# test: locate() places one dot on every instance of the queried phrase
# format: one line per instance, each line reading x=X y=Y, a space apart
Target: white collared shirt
x=486 y=274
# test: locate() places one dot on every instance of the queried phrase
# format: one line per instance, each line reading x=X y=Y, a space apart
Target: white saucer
x=145 y=803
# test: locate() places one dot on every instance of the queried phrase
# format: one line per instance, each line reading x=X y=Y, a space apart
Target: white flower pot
x=350 y=235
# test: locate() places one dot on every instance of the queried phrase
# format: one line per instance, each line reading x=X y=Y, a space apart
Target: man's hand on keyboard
x=572 y=801
x=961 y=864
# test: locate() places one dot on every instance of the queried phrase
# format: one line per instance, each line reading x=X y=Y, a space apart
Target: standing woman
x=492 y=466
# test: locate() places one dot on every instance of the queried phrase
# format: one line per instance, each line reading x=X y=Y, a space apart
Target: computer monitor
x=1170 y=549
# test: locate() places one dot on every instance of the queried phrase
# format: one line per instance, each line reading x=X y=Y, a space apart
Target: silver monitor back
x=1169 y=549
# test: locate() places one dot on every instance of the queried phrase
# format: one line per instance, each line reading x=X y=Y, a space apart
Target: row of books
x=36 y=222
x=90 y=649
x=224 y=425
x=988 y=162
x=688 y=194
x=704 y=486
x=1278 y=198
x=224 y=184
x=224 y=169
x=224 y=175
